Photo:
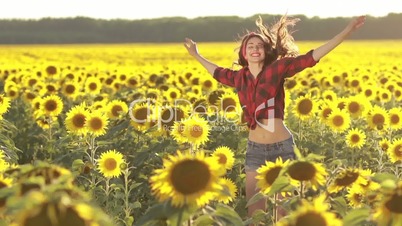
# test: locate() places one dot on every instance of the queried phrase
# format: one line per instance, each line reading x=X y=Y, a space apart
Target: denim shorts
x=257 y=154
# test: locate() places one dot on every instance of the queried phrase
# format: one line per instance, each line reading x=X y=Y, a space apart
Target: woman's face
x=255 y=50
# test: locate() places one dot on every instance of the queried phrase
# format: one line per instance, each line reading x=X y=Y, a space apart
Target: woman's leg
x=251 y=190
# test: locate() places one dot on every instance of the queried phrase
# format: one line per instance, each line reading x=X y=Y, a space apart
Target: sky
x=151 y=9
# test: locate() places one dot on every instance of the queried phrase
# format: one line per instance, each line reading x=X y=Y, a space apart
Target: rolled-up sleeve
x=225 y=76
x=293 y=65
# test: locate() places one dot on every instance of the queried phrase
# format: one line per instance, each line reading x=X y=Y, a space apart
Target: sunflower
x=330 y=95
x=354 y=84
x=267 y=174
x=384 y=144
x=208 y=83
x=5 y=182
x=378 y=118
x=395 y=118
x=29 y=95
x=46 y=122
x=133 y=81
x=172 y=94
x=397 y=93
x=311 y=172
x=336 y=80
x=214 y=97
x=116 y=109
x=177 y=132
x=225 y=157
x=170 y=114
x=70 y=90
x=355 y=138
x=51 y=105
x=197 y=89
x=324 y=110
x=196 y=130
x=369 y=92
x=13 y=92
x=346 y=178
x=356 y=106
x=76 y=118
x=153 y=93
x=51 y=88
x=338 y=120
x=228 y=192
x=97 y=123
x=395 y=151
x=4 y=104
x=314 y=213
x=200 y=106
x=92 y=86
x=109 y=163
x=305 y=107
x=388 y=211
x=187 y=179
x=229 y=105
x=141 y=115
x=384 y=95
x=355 y=197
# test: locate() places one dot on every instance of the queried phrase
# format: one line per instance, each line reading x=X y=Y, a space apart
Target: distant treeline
x=175 y=29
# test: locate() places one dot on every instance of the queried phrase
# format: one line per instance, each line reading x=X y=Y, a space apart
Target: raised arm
x=323 y=50
x=192 y=49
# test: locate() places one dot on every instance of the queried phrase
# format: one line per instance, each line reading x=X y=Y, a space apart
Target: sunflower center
x=228 y=104
x=291 y=83
x=302 y=171
x=354 y=83
x=92 y=86
x=196 y=131
x=305 y=106
x=378 y=119
x=32 y=82
x=398 y=150
x=50 y=88
x=326 y=112
x=141 y=115
x=70 y=89
x=116 y=110
x=152 y=95
x=200 y=106
x=395 y=119
x=110 y=164
x=133 y=82
x=394 y=204
x=355 y=138
x=31 y=96
x=79 y=120
x=368 y=93
x=222 y=159
x=96 y=124
x=336 y=79
x=311 y=218
x=348 y=179
x=354 y=107
x=190 y=176
x=384 y=96
x=173 y=95
x=50 y=105
x=272 y=174
x=207 y=84
x=214 y=96
x=338 y=120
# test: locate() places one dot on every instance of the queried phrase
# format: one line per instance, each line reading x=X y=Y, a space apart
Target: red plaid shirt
x=264 y=95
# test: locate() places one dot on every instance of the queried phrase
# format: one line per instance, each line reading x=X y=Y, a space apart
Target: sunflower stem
x=301 y=190
x=275 y=212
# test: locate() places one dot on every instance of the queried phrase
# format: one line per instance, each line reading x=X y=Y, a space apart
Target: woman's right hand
x=191 y=47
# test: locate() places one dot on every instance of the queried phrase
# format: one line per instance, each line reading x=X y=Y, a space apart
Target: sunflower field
x=141 y=134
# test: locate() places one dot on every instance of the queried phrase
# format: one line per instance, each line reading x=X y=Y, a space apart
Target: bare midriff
x=269 y=131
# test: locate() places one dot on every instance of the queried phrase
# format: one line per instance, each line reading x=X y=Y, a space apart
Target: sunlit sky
x=150 y=9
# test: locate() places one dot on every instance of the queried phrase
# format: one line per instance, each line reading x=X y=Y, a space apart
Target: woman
x=267 y=57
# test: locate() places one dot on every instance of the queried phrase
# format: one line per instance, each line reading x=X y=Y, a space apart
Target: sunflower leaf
x=280 y=183
x=204 y=220
x=228 y=214
x=356 y=217
x=257 y=197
